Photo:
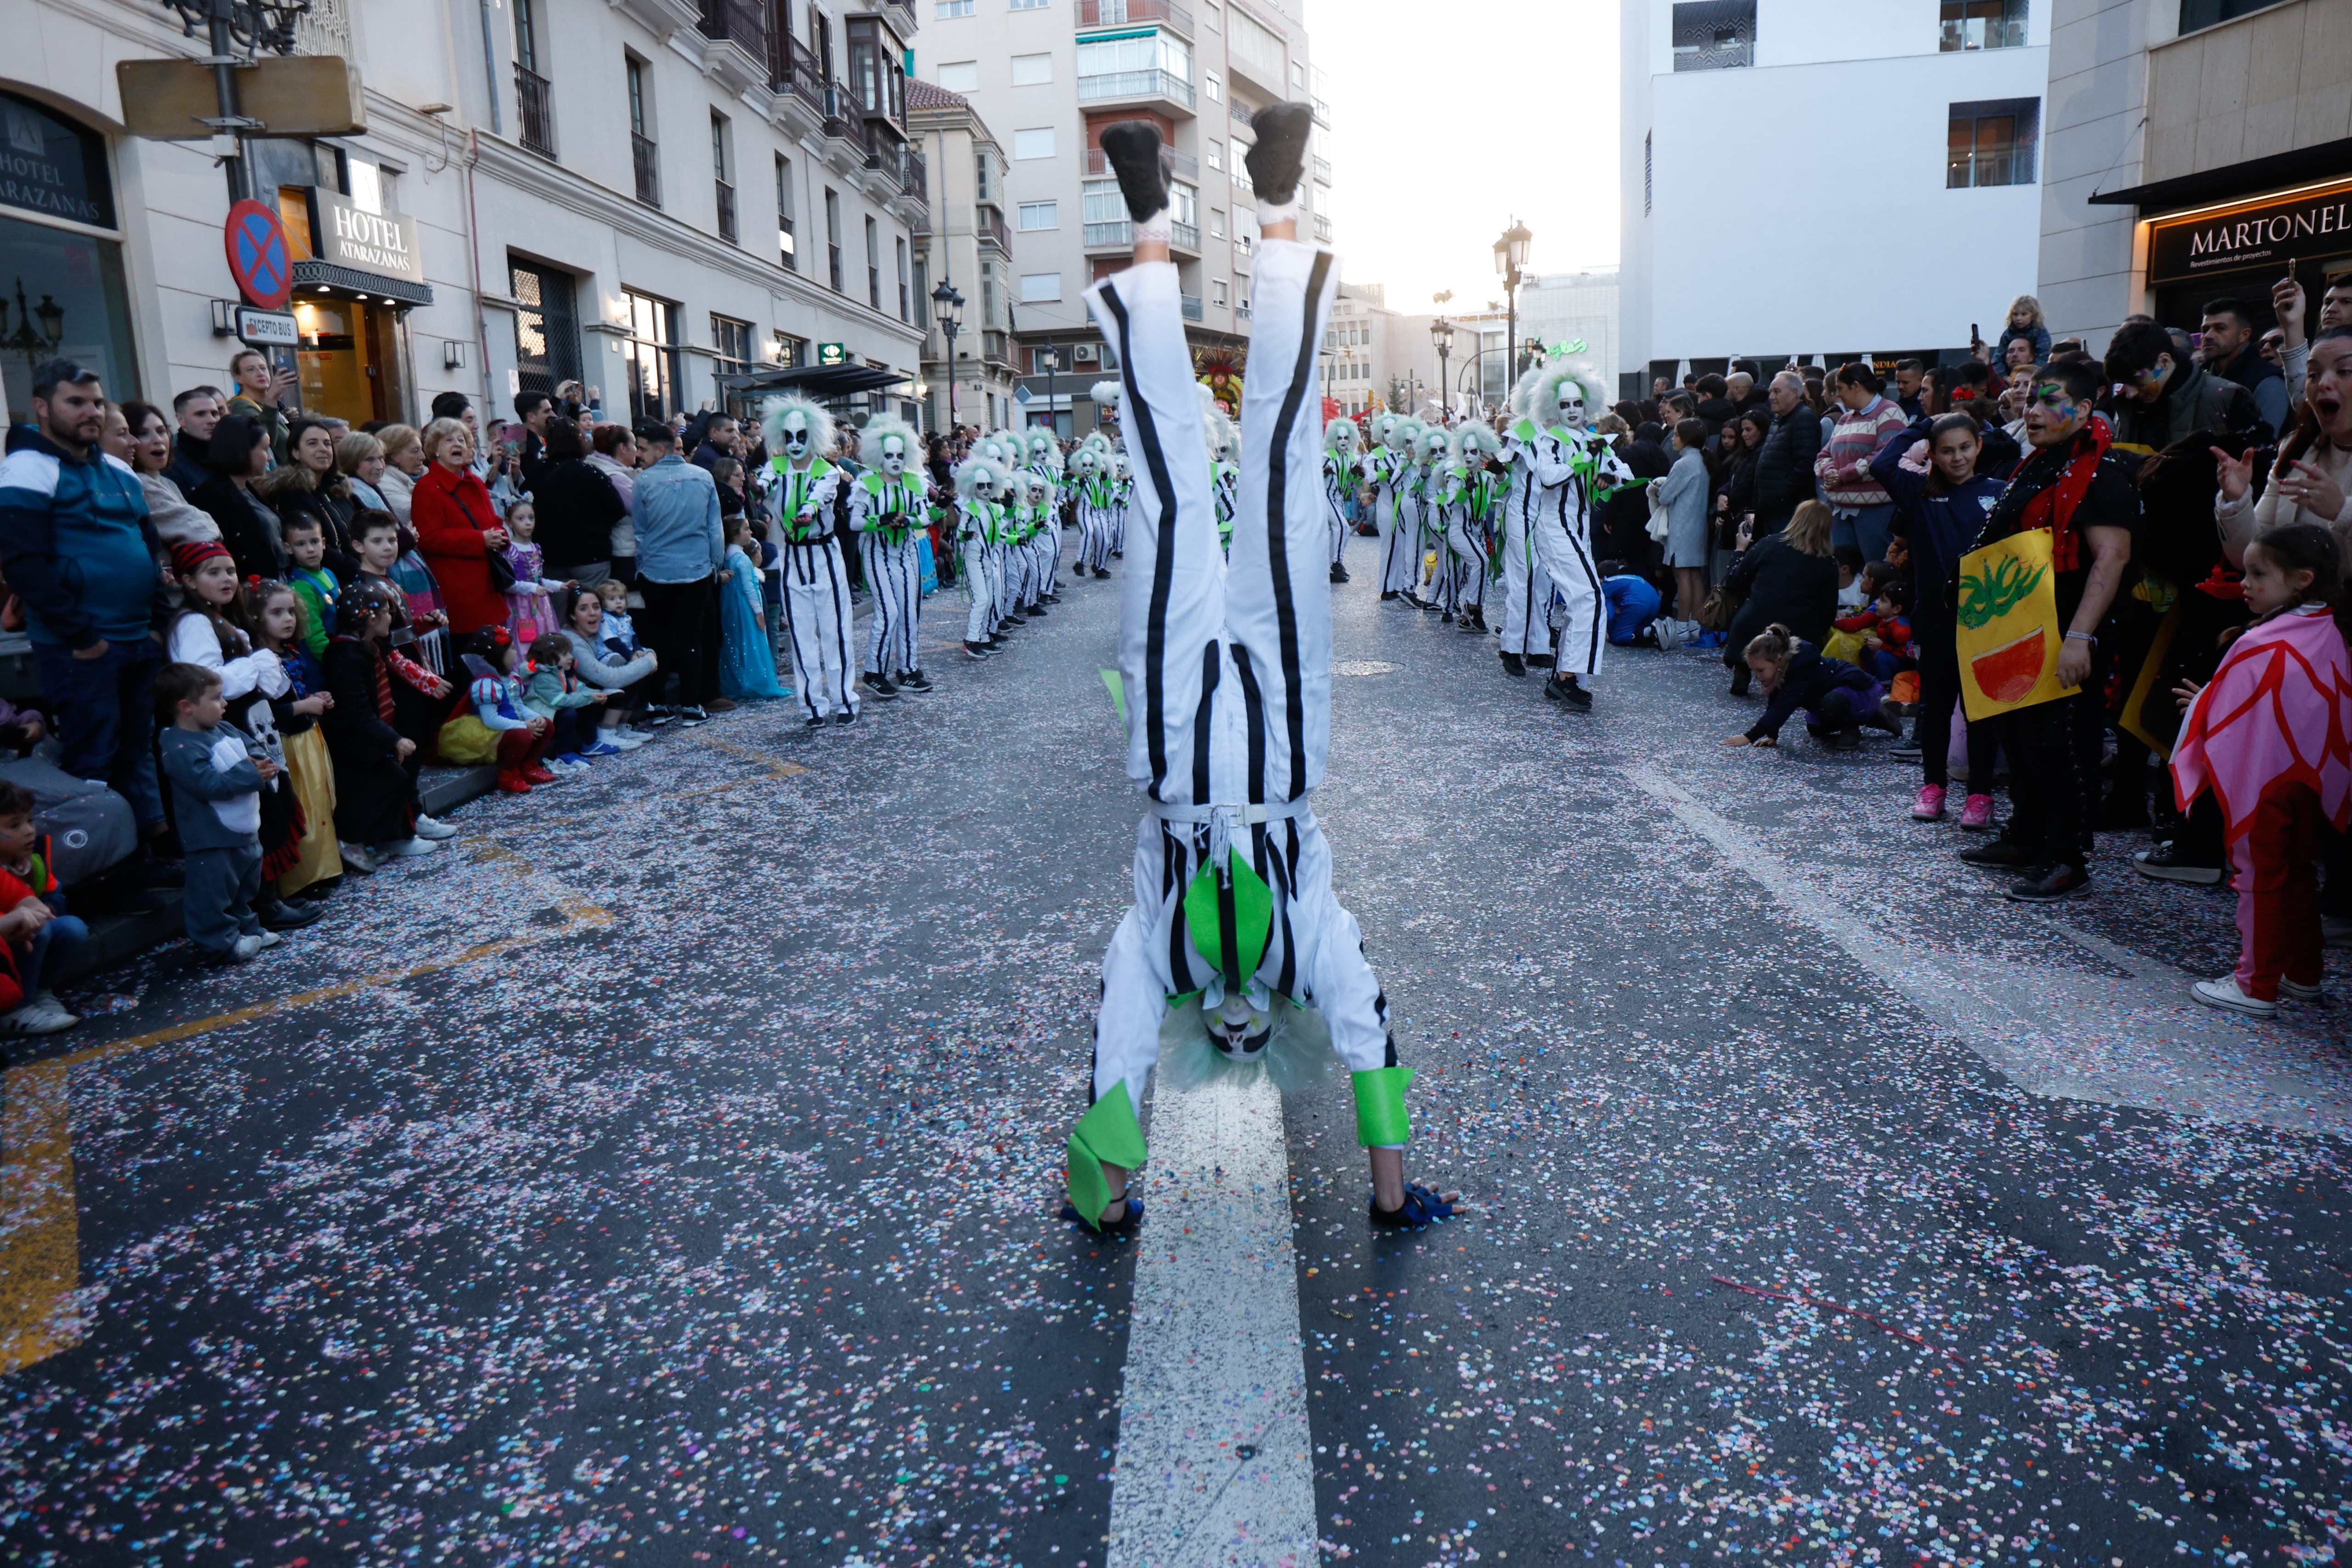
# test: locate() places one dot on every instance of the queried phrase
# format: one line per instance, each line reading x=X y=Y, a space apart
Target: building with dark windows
x=1766 y=146
x=2197 y=147
x=678 y=203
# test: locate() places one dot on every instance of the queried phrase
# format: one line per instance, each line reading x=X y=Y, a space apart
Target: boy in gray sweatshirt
x=216 y=795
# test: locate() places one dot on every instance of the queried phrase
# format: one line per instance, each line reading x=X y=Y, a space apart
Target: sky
x=1448 y=119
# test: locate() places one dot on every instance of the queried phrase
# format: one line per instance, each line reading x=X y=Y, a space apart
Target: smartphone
x=1974 y=336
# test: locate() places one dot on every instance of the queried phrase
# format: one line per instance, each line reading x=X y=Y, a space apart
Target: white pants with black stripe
x=1335 y=502
x=817 y=609
x=1226 y=661
x=1564 y=545
x=979 y=582
x=1048 y=546
x=1400 y=542
x=1469 y=555
x=1527 y=586
x=894 y=573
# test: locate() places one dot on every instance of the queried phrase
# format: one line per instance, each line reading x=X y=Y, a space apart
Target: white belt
x=1250 y=814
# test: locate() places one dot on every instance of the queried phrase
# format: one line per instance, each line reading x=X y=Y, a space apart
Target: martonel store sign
x=2312 y=222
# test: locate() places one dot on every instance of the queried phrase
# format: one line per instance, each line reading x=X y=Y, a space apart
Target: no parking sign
x=258 y=257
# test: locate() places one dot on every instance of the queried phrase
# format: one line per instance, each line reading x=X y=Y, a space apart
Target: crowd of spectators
x=248 y=630
x=1810 y=521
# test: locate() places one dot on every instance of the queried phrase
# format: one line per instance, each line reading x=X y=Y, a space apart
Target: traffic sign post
x=258 y=256
x=257 y=329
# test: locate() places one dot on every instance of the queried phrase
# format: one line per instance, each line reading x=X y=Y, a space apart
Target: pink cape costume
x=2279 y=711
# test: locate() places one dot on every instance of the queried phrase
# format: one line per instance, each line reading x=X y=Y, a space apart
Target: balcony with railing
x=1124 y=13
x=1110 y=236
x=914 y=174
x=1323 y=228
x=648 y=158
x=1158 y=86
x=1323 y=115
x=535 y=109
x=1242 y=312
x=1191 y=306
x=1183 y=164
x=1322 y=170
x=743 y=24
x=726 y=194
x=989 y=226
x=797 y=77
x=1185 y=236
x=996 y=348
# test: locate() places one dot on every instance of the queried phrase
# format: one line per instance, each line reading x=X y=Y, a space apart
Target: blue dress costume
x=747 y=665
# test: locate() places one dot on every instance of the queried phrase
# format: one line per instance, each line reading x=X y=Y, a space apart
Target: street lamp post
x=1511 y=260
x=945 y=304
x=1441 y=333
x=254 y=24
x=1051 y=358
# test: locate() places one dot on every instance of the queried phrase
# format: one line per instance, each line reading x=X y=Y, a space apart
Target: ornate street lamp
x=1511 y=260
x=946 y=301
x=1441 y=334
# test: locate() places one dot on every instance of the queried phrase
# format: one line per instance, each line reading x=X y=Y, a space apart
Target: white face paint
x=894 y=456
x=796 y=437
x=1571 y=404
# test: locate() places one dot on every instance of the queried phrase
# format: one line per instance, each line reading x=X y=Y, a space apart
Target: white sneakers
x=621 y=735
x=1672 y=634
x=407 y=848
x=2224 y=994
x=433 y=828
x=44 y=1015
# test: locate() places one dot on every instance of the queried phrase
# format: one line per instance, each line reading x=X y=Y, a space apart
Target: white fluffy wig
x=1385 y=425
x=1104 y=393
x=1431 y=443
x=890 y=428
x=1298 y=1053
x=1543 y=404
x=1474 y=438
x=1342 y=435
x=1002 y=448
x=822 y=439
x=974 y=471
x=1087 y=462
x=1042 y=449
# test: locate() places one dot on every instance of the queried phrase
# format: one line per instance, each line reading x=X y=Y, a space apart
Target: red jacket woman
x=457 y=529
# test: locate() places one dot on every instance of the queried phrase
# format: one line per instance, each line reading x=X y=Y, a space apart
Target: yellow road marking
x=40 y=1249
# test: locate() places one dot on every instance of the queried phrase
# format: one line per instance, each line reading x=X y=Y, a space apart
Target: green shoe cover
x=1380 y=1116
x=1107 y=1131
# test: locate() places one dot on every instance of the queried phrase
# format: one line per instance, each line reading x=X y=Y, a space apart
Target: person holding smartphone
x=260 y=396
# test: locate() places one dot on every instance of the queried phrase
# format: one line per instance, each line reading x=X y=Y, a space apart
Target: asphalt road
x=665 y=1172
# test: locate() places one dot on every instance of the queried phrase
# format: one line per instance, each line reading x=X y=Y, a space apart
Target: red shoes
x=513 y=781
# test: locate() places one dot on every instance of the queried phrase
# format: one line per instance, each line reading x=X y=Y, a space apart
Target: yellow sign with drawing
x=2008 y=630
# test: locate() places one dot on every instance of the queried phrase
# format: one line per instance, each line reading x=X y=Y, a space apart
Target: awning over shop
x=825 y=382
x=309 y=274
x=2327 y=161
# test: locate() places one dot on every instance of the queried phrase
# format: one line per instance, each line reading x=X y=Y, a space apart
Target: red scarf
x=2054 y=508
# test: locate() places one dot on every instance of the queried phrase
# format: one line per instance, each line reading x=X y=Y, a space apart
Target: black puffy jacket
x=1784 y=466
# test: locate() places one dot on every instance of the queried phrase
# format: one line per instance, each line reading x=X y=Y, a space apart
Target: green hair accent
x=1231 y=919
x=1107 y=1131
x=1380 y=1116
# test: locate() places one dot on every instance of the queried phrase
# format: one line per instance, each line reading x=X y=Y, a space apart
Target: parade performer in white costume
x=802 y=492
x=1343 y=445
x=1226 y=668
x=1466 y=506
x=1389 y=471
x=1090 y=477
x=978 y=521
x=887 y=505
x=1573 y=470
x=1432 y=447
x=1043 y=460
x=1526 y=586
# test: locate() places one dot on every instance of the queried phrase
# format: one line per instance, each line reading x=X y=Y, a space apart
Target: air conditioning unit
x=1084 y=353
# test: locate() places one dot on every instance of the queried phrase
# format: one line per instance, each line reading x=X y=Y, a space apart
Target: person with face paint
x=1432 y=451
x=1004 y=455
x=1465 y=507
x=1342 y=472
x=802 y=492
x=978 y=521
x=1044 y=461
x=1526 y=585
x=888 y=504
x=2084 y=497
x=1225 y=667
x=1090 y=470
x=1389 y=472
x=1571 y=471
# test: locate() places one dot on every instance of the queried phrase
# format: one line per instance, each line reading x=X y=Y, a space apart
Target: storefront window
x=61 y=292
x=347 y=359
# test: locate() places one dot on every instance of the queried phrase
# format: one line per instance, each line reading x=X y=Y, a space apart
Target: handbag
x=1715 y=615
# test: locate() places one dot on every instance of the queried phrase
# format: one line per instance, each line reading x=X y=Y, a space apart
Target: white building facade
x=645 y=195
x=1770 y=147
x=1048 y=76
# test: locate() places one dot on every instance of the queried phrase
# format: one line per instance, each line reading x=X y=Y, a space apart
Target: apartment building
x=1771 y=148
x=670 y=201
x=2197 y=148
x=1049 y=74
x=964 y=248
x=1376 y=357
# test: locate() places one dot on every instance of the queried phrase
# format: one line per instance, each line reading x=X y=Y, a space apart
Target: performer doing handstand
x=1235 y=940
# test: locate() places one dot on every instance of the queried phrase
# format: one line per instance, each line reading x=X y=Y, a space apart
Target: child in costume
x=1342 y=447
x=551 y=690
x=888 y=503
x=531 y=602
x=1390 y=473
x=746 y=663
x=1526 y=584
x=275 y=612
x=1226 y=672
x=2271 y=736
x=307 y=574
x=802 y=487
x=1433 y=454
x=495 y=726
x=979 y=519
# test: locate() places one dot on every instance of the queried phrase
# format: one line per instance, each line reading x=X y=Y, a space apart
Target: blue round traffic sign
x=258 y=257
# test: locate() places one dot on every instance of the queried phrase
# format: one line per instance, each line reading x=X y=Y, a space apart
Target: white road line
x=1215 y=1466
x=2138 y=1041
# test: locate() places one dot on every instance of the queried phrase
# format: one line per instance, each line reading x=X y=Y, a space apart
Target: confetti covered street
x=665 y=1172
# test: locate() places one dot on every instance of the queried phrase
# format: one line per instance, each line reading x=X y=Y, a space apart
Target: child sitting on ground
x=1838 y=698
x=1851 y=595
x=217 y=784
x=552 y=692
x=1887 y=645
x=620 y=633
x=495 y=725
x=42 y=937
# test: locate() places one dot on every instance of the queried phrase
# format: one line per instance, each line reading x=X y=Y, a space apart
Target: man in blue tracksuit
x=77 y=547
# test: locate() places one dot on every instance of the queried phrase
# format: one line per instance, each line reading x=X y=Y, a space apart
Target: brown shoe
x=720 y=705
